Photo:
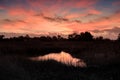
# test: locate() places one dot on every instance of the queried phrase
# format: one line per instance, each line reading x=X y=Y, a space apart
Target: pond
x=61 y=57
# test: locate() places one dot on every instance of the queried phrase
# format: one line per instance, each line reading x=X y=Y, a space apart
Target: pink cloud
x=20 y=11
x=100 y=24
x=94 y=12
x=59 y=5
x=1 y=7
x=14 y=27
x=116 y=3
x=85 y=3
x=51 y=10
x=75 y=15
x=38 y=24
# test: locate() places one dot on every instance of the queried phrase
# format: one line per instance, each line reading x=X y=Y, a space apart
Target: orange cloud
x=101 y=23
x=41 y=25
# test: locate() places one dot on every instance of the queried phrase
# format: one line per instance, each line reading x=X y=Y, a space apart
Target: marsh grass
x=21 y=68
x=103 y=59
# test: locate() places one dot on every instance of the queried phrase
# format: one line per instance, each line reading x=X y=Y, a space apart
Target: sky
x=100 y=17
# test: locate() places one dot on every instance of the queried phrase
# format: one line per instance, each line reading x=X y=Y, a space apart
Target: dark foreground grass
x=93 y=52
x=20 y=68
x=102 y=58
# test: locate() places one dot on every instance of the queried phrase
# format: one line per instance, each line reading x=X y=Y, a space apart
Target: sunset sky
x=100 y=17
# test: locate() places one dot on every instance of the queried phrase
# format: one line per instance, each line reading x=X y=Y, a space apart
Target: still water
x=61 y=57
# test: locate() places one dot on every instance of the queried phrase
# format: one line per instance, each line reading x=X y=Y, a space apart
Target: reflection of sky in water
x=62 y=57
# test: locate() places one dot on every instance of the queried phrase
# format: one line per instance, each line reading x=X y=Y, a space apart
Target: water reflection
x=62 y=57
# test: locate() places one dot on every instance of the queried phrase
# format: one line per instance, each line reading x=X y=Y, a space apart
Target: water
x=61 y=57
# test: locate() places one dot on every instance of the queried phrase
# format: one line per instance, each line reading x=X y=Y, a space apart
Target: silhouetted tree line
x=2 y=36
x=83 y=36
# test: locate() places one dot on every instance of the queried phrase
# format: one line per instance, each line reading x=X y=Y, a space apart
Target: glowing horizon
x=100 y=17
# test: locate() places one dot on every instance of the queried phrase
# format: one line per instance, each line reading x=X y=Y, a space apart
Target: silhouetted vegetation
x=87 y=36
x=1 y=37
x=118 y=37
x=83 y=36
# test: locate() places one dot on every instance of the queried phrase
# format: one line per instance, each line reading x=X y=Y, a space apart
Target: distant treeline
x=83 y=36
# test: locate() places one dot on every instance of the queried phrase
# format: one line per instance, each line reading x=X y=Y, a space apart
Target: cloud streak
x=57 y=18
x=112 y=30
x=13 y=21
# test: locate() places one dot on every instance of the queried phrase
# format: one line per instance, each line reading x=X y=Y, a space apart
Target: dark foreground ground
x=102 y=58
x=19 y=68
